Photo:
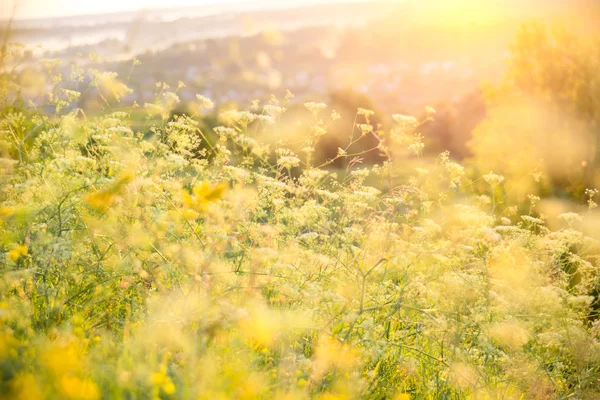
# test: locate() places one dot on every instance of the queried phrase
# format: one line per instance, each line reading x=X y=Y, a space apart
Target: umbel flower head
x=315 y=108
x=205 y=102
x=405 y=120
x=493 y=179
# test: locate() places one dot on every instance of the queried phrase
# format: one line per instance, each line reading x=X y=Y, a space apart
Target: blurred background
x=514 y=82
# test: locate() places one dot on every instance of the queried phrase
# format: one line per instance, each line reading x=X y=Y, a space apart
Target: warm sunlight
x=58 y=8
x=300 y=200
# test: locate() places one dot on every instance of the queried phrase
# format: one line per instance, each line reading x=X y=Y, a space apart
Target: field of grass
x=140 y=261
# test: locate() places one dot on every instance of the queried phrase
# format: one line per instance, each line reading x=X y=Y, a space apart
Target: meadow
x=146 y=256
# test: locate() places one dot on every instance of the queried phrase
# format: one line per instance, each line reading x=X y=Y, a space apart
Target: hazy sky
x=54 y=8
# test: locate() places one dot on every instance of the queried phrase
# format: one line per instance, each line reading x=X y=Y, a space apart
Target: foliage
x=546 y=111
x=145 y=262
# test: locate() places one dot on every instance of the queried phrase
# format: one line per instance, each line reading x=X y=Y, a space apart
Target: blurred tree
x=452 y=127
x=347 y=102
x=559 y=68
x=544 y=118
x=297 y=121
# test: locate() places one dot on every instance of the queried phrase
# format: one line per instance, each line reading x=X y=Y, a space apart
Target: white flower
x=364 y=128
x=288 y=162
x=532 y=220
x=315 y=108
x=570 y=218
x=205 y=102
x=405 y=120
x=493 y=179
x=273 y=111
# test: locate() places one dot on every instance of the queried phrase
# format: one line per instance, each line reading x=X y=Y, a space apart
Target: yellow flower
x=73 y=387
x=6 y=211
x=262 y=326
x=202 y=195
x=101 y=200
x=163 y=381
x=190 y=215
x=330 y=353
x=25 y=387
x=61 y=360
x=18 y=252
x=124 y=178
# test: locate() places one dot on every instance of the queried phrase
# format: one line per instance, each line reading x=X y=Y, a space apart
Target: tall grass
x=150 y=262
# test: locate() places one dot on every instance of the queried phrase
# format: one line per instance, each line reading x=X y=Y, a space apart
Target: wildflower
x=570 y=218
x=26 y=387
x=532 y=220
x=493 y=179
x=288 y=96
x=225 y=132
x=241 y=118
x=245 y=142
x=205 y=102
x=510 y=335
x=463 y=375
x=308 y=149
x=456 y=171
x=18 y=252
x=170 y=99
x=315 y=108
x=512 y=210
x=591 y=193
x=61 y=360
x=405 y=120
x=484 y=200
x=364 y=128
x=491 y=235
x=101 y=200
x=153 y=109
x=318 y=131
x=267 y=119
x=366 y=113
x=308 y=236
x=417 y=148
x=202 y=195
x=273 y=111
x=162 y=381
x=288 y=162
x=6 y=211
x=330 y=353
x=261 y=325
x=533 y=199
x=108 y=82
x=443 y=158
x=71 y=95
x=73 y=387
